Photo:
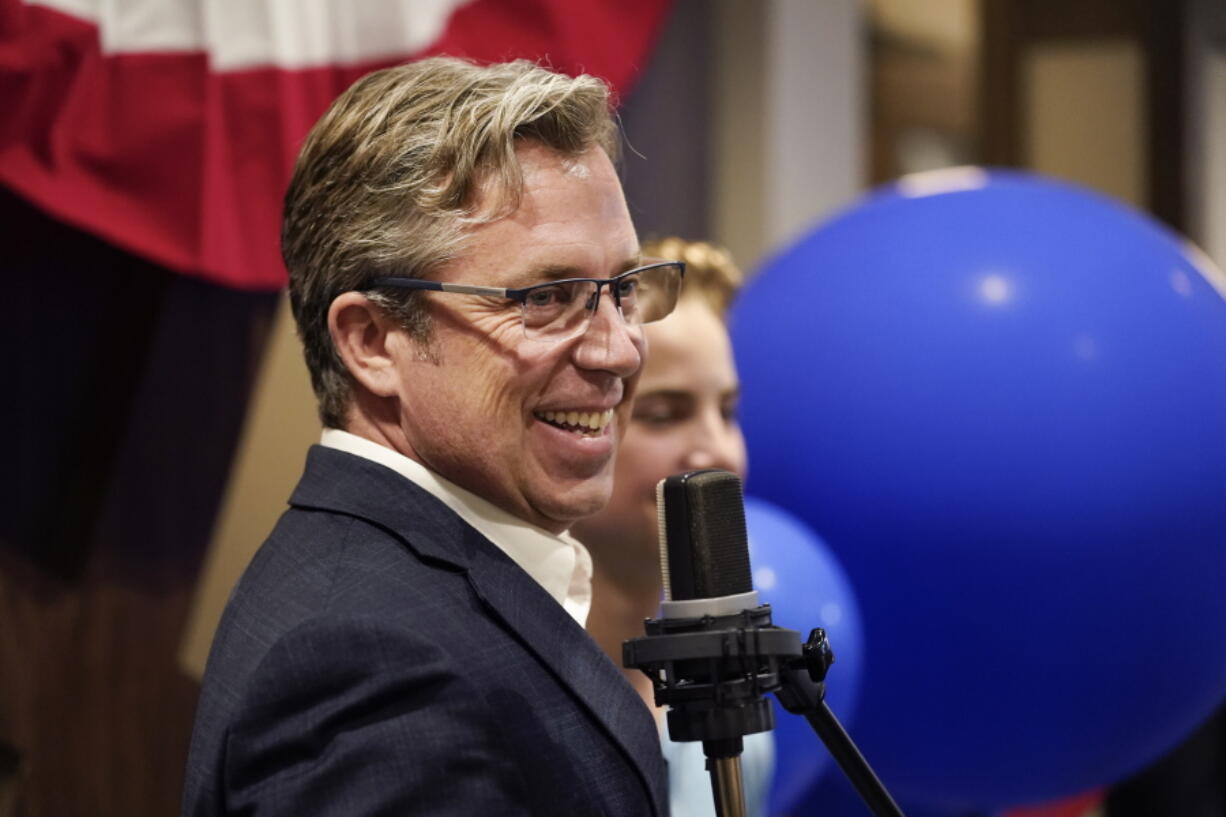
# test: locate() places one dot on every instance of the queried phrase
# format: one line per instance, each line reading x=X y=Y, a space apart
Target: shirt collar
x=557 y=562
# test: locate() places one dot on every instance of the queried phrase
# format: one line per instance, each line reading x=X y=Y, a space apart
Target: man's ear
x=361 y=332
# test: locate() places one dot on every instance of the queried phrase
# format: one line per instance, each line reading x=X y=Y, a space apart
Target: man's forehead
x=540 y=165
x=569 y=221
x=574 y=166
x=495 y=198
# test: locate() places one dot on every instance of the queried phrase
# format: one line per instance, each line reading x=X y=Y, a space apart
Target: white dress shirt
x=557 y=562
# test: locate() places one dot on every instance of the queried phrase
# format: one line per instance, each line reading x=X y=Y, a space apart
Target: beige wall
x=1083 y=109
x=1213 y=186
x=788 y=100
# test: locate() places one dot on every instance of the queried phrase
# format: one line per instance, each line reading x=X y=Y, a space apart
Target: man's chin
x=566 y=507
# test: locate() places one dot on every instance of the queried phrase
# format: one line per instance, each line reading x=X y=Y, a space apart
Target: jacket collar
x=344 y=483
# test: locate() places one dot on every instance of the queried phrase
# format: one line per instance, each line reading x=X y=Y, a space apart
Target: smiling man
x=470 y=295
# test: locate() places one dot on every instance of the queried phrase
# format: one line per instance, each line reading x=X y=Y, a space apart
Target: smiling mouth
x=586 y=423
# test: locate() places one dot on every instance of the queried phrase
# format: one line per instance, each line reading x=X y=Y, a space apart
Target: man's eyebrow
x=632 y=262
x=558 y=272
x=551 y=272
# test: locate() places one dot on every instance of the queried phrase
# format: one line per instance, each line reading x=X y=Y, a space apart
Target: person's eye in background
x=730 y=408
x=659 y=412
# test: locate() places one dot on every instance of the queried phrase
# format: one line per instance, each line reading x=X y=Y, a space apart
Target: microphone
x=713 y=654
x=704 y=549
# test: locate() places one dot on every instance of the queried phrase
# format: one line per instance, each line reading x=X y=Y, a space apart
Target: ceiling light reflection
x=995 y=289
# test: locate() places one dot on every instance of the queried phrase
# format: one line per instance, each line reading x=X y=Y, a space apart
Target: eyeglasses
x=560 y=310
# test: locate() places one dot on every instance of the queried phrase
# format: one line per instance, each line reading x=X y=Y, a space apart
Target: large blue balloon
x=805 y=585
x=1003 y=405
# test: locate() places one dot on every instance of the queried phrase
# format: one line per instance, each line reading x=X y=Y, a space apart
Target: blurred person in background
x=684 y=418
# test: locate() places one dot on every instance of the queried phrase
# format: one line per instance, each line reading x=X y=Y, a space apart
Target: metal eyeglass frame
x=520 y=295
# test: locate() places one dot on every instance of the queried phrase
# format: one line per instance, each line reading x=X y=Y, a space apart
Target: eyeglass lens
x=563 y=309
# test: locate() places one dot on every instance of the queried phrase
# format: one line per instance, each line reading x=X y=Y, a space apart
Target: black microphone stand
x=802 y=692
x=713 y=673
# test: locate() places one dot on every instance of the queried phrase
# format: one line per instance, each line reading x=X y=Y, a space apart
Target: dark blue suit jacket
x=381 y=657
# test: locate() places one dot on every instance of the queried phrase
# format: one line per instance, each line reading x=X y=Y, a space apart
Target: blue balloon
x=1002 y=402
x=804 y=584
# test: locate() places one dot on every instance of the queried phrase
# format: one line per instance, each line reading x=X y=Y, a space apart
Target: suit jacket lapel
x=341 y=482
x=562 y=645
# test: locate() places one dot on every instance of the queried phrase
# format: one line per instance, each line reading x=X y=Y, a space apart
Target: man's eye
x=547 y=296
x=627 y=286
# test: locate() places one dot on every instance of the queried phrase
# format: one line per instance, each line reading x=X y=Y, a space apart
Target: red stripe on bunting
x=187 y=167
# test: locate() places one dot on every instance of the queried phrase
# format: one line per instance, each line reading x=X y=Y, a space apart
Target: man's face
x=684 y=419
x=481 y=405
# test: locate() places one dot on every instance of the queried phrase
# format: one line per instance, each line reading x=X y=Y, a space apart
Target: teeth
x=590 y=420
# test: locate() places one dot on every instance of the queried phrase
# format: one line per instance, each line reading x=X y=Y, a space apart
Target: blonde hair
x=710 y=272
x=389 y=176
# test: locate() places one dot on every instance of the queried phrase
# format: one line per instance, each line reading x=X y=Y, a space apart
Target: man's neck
x=361 y=425
x=369 y=425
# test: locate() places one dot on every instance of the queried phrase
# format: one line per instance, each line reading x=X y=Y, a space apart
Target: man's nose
x=609 y=343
